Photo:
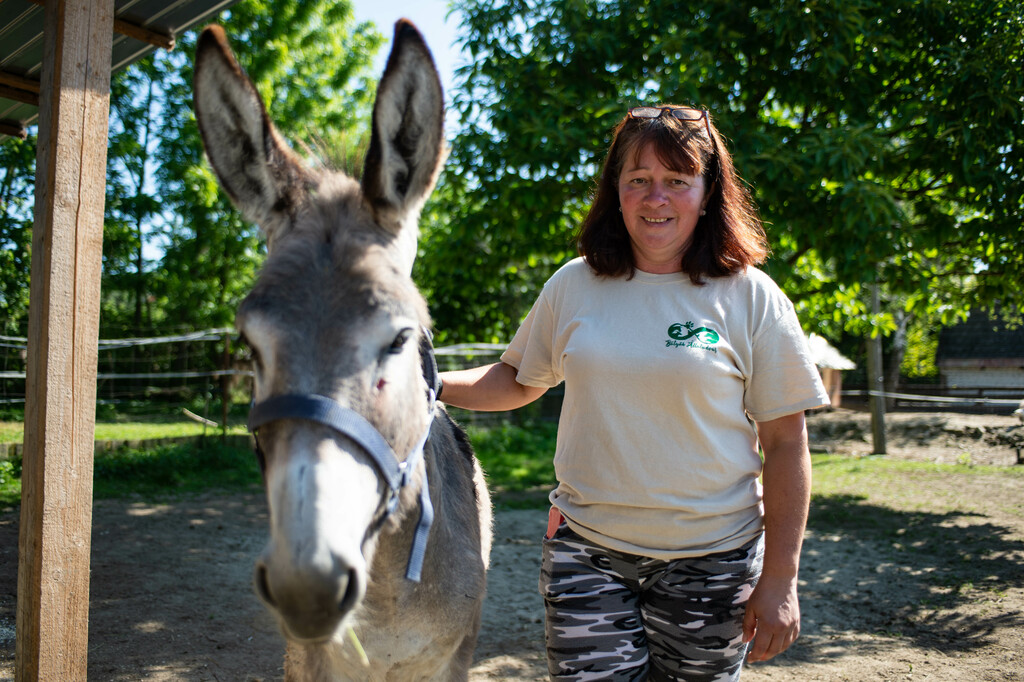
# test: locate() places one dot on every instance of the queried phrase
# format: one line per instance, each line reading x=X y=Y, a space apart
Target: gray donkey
x=380 y=521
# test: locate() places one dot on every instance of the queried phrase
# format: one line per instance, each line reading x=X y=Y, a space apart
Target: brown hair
x=726 y=240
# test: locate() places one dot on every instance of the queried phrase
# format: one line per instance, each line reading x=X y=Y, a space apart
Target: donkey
x=380 y=520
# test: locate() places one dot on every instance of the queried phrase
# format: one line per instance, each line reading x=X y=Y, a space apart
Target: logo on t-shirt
x=684 y=335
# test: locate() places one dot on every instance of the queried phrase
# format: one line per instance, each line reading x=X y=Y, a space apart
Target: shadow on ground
x=171 y=597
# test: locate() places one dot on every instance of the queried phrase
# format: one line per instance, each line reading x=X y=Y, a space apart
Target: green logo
x=684 y=335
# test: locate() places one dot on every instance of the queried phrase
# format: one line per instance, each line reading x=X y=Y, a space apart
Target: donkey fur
x=334 y=312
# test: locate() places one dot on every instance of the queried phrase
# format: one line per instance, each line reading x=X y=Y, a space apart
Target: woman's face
x=660 y=207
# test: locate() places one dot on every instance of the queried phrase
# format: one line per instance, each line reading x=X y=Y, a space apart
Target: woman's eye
x=400 y=341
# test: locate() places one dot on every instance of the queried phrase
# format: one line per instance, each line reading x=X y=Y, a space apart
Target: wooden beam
x=13 y=128
x=19 y=82
x=56 y=504
x=19 y=95
x=147 y=35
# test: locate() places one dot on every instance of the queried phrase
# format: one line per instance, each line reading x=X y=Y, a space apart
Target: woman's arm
x=772 y=618
x=491 y=388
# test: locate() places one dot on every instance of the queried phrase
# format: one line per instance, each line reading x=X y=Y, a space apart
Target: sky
x=430 y=17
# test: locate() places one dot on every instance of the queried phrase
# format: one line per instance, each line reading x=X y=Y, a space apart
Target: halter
x=396 y=473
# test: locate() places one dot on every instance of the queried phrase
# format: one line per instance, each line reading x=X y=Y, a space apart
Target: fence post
x=876 y=378
x=225 y=387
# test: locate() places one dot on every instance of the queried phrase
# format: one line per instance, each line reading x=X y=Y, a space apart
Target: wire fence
x=944 y=399
x=203 y=372
x=194 y=370
x=176 y=367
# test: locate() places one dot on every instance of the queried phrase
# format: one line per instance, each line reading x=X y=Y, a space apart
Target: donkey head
x=334 y=314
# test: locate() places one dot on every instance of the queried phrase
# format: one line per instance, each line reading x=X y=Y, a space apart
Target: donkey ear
x=406 y=146
x=254 y=165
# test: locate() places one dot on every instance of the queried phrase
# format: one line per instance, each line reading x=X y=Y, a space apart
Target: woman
x=663 y=559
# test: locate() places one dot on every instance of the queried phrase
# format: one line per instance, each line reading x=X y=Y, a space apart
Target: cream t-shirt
x=657 y=447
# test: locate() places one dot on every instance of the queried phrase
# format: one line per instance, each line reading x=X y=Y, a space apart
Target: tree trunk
x=894 y=360
x=876 y=380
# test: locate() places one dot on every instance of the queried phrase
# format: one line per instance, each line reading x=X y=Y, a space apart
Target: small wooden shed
x=982 y=356
x=831 y=364
x=56 y=57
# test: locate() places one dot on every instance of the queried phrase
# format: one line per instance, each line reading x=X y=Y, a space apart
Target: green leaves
x=881 y=139
x=17 y=191
x=310 y=62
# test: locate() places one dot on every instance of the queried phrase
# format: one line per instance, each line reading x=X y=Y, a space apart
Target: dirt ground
x=928 y=588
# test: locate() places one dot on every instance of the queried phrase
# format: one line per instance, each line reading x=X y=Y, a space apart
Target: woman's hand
x=772 y=619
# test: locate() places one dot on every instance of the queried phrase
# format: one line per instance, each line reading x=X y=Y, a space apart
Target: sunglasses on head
x=681 y=113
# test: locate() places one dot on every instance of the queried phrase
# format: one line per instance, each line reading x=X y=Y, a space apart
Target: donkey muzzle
x=311 y=601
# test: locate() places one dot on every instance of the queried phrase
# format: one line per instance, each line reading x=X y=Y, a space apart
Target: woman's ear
x=707 y=196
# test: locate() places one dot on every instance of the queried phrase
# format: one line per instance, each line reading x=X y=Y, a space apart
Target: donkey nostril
x=261 y=584
x=352 y=592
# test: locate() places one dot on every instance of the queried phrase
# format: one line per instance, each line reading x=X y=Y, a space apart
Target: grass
x=10 y=483
x=155 y=473
x=517 y=459
x=898 y=481
x=14 y=433
x=174 y=469
x=139 y=422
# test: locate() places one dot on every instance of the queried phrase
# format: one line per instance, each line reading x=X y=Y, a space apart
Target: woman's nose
x=656 y=195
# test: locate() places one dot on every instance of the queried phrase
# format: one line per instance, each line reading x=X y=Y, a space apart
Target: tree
x=308 y=60
x=17 y=190
x=884 y=142
x=131 y=206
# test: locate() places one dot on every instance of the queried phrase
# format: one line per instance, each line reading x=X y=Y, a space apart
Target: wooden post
x=56 y=509
x=876 y=379
x=225 y=390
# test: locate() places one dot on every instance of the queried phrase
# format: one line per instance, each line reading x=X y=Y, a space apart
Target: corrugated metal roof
x=138 y=25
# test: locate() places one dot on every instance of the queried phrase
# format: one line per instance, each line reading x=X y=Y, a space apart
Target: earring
x=703 y=212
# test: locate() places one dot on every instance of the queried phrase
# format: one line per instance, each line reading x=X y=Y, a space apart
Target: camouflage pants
x=618 y=616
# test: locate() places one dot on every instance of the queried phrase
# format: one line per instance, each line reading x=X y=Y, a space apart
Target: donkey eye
x=254 y=354
x=399 y=343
